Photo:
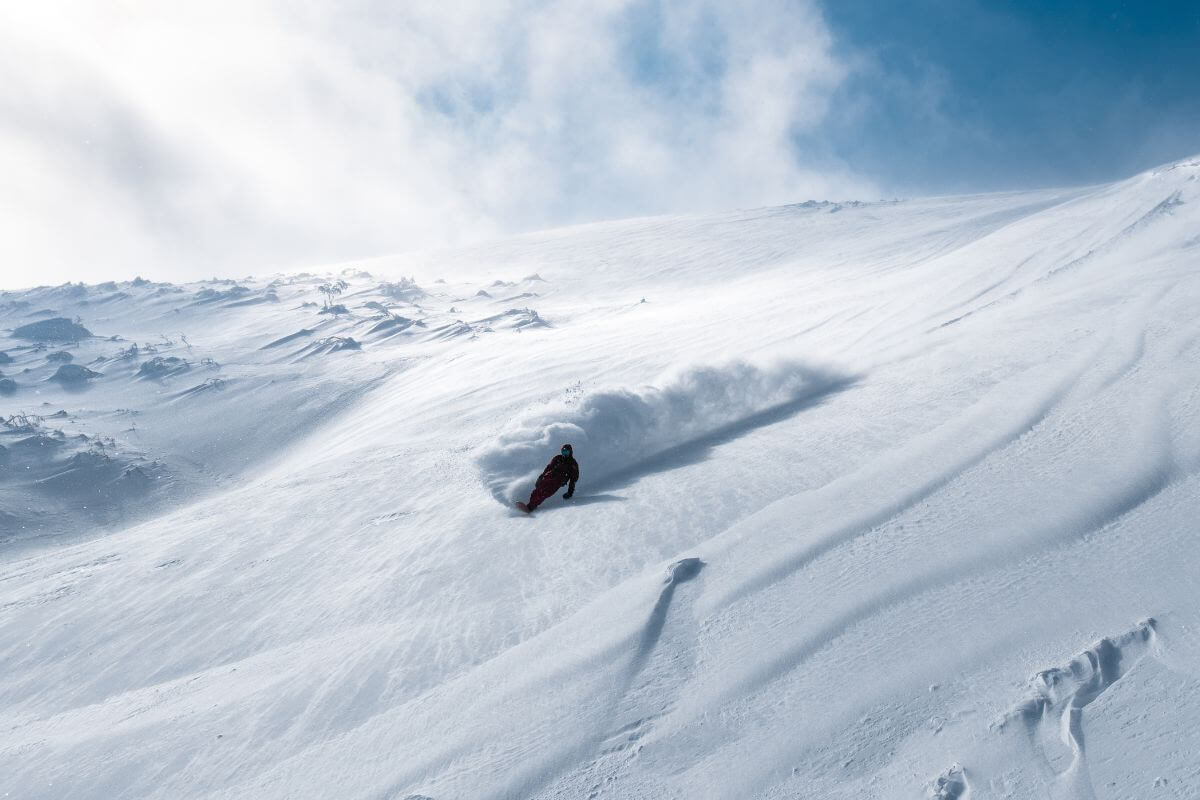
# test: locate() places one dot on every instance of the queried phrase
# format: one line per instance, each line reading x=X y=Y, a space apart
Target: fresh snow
x=877 y=500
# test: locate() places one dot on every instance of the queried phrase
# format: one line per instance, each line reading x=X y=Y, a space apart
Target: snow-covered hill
x=877 y=500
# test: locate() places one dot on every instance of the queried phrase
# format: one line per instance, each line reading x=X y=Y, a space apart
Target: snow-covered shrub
x=161 y=367
x=404 y=289
x=57 y=329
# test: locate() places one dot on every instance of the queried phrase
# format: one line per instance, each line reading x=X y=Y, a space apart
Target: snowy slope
x=877 y=500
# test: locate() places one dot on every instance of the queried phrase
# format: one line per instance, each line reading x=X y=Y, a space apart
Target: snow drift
x=620 y=433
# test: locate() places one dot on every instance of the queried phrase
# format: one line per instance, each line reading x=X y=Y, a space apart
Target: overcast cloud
x=182 y=140
x=187 y=139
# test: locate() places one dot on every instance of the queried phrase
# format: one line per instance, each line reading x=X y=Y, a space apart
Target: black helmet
x=566 y=450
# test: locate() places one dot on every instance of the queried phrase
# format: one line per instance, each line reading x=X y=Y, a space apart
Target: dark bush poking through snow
x=619 y=433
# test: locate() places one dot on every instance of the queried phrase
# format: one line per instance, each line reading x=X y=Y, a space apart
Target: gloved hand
x=567 y=496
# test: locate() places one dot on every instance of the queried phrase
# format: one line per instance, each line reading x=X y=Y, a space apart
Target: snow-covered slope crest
x=878 y=500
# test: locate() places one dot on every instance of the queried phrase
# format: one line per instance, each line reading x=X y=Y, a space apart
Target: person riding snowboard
x=563 y=468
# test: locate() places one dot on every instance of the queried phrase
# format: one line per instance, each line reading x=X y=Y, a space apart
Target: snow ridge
x=1053 y=714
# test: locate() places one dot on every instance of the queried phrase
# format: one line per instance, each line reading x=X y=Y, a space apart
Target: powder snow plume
x=619 y=432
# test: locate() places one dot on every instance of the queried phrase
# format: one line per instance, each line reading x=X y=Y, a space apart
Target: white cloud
x=222 y=137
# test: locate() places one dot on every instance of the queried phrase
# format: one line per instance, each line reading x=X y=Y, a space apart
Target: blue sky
x=982 y=94
x=225 y=137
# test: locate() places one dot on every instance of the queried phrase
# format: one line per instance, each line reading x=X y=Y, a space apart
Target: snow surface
x=877 y=500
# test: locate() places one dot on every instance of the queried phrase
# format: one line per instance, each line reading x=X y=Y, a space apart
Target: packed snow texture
x=877 y=500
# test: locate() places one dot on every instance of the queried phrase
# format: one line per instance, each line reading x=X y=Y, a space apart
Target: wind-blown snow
x=621 y=432
x=877 y=500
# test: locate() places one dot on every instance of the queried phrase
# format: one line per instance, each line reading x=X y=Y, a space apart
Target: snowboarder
x=563 y=468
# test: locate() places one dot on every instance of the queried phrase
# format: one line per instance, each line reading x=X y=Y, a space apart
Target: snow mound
x=53 y=470
x=521 y=296
x=57 y=329
x=208 y=385
x=951 y=785
x=207 y=295
x=163 y=366
x=403 y=289
x=95 y=476
x=1056 y=693
x=451 y=330
x=392 y=324
x=73 y=375
x=330 y=344
x=291 y=337
x=621 y=433
x=268 y=296
x=1050 y=726
x=515 y=318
